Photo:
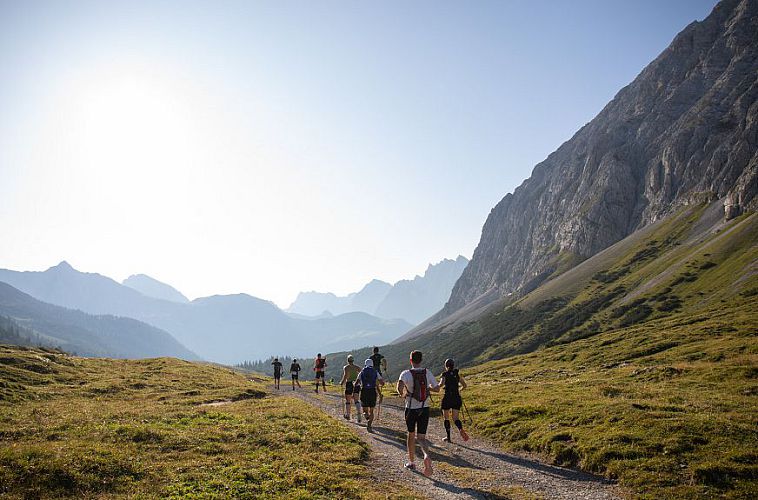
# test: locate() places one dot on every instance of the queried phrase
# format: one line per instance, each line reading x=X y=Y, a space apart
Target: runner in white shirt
x=417 y=408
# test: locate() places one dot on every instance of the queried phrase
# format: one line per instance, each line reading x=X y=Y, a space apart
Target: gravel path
x=476 y=469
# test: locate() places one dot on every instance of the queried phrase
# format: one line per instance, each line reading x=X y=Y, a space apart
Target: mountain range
x=411 y=300
x=221 y=328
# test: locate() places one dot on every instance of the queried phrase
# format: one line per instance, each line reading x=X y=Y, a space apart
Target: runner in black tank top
x=450 y=380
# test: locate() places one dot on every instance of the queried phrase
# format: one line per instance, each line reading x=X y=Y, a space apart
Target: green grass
x=75 y=427
x=640 y=363
x=668 y=408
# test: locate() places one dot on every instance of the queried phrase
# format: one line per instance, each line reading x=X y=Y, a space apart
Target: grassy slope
x=640 y=363
x=88 y=427
x=647 y=373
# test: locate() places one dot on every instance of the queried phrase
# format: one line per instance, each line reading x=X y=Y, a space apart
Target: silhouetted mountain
x=316 y=303
x=154 y=288
x=222 y=328
x=417 y=299
x=411 y=300
x=86 y=334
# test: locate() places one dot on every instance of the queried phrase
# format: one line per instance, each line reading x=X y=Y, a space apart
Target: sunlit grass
x=89 y=427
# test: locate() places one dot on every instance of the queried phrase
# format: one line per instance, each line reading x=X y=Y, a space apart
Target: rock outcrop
x=684 y=131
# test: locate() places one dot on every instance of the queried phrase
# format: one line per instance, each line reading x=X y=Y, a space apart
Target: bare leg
x=411 y=446
x=427 y=459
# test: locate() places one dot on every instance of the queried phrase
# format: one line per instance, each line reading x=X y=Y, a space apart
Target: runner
x=277 y=372
x=380 y=365
x=294 y=371
x=352 y=389
x=452 y=401
x=369 y=378
x=319 y=364
x=414 y=385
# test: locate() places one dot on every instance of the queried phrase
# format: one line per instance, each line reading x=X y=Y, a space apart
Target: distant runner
x=277 y=372
x=352 y=389
x=380 y=365
x=452 y=401
x=295 y=371
x=414 y=385
x=369 y=378
x=319 y=365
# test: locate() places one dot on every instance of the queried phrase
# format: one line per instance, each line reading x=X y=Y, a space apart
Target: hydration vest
x=320 y=363
x=420 y=392
x=368 y=378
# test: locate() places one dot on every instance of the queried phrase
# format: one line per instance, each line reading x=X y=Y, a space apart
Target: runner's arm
x=433 y=385
x=401 y=388
x=463 y=382
x=344 y=375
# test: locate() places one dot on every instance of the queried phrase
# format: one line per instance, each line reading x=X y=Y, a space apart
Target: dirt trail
x=475 y=469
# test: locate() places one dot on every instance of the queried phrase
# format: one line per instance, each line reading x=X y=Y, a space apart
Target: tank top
x=351 y=373
x=451 y=382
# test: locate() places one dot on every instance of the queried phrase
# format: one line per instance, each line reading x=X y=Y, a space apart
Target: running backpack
x=419 y=385
x=368 y=378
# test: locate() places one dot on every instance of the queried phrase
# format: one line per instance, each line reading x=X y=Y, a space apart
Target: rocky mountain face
x=684 y=131
x=151 y=287
x=410 y=300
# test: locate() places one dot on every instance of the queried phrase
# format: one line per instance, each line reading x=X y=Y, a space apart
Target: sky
x=285 y=146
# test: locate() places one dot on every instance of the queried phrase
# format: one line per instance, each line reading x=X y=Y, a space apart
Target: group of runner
x=363 y=390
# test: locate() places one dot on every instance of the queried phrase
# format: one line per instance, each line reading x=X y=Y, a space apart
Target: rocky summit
x=684 y=131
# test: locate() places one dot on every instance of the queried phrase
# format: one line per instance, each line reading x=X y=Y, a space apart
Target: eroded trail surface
x=475 y=469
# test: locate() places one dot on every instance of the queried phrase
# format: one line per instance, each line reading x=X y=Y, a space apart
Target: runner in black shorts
x=352 y=389
x=414 y=385
x=294 y=371
x=452 y=382
x=319 y=365
x=277 y=372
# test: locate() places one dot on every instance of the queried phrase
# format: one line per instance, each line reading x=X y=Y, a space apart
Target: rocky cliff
x=685 y=130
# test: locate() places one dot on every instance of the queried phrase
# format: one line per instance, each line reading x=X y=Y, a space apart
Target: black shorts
x=368 y=397
x=277 y=375
x=452 y=402
x=417 y=420
x=294 y=376
x=319 y=374
x=352 y=389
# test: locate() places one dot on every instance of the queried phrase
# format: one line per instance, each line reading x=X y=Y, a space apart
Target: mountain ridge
x=684 y=131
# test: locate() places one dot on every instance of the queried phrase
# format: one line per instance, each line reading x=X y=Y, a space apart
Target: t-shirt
x=320 y=364
x=294 y=368
x=407 y=379
x=351 y=372
x=377 y=360
x=277 y=367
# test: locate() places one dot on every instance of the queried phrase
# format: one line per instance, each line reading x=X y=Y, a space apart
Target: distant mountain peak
x=151 y=287
x=62 y=266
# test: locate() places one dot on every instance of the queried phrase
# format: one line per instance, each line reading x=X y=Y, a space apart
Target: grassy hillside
x=641 y=363
x=74 y=427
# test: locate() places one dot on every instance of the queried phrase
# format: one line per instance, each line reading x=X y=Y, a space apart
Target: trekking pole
x=471 y=420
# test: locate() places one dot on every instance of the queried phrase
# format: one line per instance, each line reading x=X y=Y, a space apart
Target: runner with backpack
x=415 y=385
x=295 y=371
x=319 y=365
x=369 y=378
x=450 y=380
x=352 y=388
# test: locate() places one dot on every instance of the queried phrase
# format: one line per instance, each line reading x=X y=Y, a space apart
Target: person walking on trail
x=352 y=389
x=319 y=365
x=295 y=371
x=370 y=379
x=415 y=385
x=380 y=364
x=277 y=372
x=450 y=380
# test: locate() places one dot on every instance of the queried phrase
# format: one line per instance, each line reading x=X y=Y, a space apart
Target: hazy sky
x=274 y=147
